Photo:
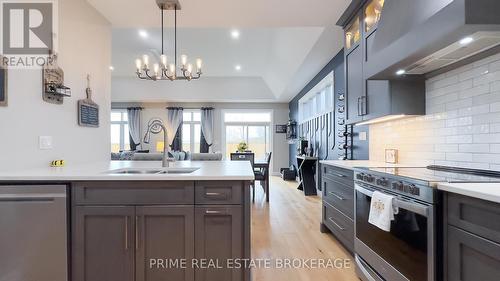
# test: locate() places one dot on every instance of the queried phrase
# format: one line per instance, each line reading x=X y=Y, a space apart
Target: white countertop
x=208 y=170
x=350 y=164
x=485 y=191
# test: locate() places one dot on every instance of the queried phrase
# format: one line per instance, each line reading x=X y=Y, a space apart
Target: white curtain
x=207 y=125
x=134 y=124
x=174 y=121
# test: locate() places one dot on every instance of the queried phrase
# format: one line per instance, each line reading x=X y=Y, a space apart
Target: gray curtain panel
x=134 y=125
x=207 y=128
x=174 y=121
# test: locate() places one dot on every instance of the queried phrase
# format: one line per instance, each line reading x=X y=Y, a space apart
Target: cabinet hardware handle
x=213 y=194
x=359 y=112
x=210 y=212
x=126 y=232
x=336 y=224
x=137 y=218
x=340 y=175
x=334 y=194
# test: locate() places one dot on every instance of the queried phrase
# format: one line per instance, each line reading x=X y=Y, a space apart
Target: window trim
x=223 y=126
x=122 y=125
x=192 y=124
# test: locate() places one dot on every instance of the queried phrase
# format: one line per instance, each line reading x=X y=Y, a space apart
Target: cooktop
x=434 y=174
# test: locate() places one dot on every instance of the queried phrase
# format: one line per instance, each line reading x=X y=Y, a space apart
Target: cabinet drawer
x=474 y=215
x=221 y=192
x=133 y=193
x=471 y=257
x=338 y=174
x=340 y=196
x=340 y=225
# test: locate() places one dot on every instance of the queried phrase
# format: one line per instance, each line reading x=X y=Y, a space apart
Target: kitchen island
x=139 y=221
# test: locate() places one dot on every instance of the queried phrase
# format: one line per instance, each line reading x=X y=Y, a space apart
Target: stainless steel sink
x=137 y=171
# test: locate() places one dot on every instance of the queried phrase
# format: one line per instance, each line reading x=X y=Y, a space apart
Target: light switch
x=45 y=142
x=362 y=136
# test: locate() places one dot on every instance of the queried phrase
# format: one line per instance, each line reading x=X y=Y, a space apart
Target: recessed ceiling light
x=466 y=40
x=111 y=68
x=237 y=67
x=235 y=34
x=400 y=72
x=143 y=33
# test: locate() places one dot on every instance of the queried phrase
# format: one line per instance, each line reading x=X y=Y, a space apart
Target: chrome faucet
x=156 y=126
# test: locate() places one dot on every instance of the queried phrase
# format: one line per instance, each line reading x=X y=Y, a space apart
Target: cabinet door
x=218 y=238
x=354 y=84
x=103 y=244
x=471 y=257
x=164 y=243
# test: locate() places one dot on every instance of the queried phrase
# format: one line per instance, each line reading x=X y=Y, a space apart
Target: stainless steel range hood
x=421 y=36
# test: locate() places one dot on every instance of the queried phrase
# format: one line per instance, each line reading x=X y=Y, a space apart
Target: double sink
x=151 y=171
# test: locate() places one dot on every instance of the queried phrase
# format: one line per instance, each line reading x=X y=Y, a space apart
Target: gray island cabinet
x=159 y=230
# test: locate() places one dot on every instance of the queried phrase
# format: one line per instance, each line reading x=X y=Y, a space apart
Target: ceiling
x=280 y=47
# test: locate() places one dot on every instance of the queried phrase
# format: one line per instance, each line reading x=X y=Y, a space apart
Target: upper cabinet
x=367 y=99
x=372 y=14
x=353 y=34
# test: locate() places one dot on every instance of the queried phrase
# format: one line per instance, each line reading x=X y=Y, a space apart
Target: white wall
x=84 y=47
x=280 y=116
x=462 y=125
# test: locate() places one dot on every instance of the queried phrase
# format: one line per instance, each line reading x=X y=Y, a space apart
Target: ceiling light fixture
x=162 y=70
x=143 y=33
x=111 y=68
x=237 y=67
x=235 y=34
x=400 y=72
x=466 y=40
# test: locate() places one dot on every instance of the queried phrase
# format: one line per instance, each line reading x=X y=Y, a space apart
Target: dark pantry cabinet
x=116 y=241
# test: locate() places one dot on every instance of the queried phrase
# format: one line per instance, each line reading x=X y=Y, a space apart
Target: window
x=191 y=130
x=318 y=101
x=120 y=138
x=252 y=128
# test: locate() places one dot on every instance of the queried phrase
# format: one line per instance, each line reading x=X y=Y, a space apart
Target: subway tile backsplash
x=462 y=125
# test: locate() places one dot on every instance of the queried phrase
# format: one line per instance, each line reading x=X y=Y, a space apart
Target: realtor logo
x=27 y=28
x=28 y=32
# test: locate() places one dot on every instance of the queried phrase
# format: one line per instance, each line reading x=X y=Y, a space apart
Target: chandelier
x=162 y=70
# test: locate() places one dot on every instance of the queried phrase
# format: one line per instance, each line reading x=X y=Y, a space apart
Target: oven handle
x=400 y=203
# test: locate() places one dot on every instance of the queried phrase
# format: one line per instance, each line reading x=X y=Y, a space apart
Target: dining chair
x=262 y=175
x=245 y=156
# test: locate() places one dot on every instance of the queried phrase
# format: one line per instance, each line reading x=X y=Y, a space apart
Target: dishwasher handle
x=38 y=197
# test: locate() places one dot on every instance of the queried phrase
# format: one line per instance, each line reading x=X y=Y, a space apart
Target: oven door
x=407 y=252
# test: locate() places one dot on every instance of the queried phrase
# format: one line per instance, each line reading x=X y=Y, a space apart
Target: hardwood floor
x=287 y=228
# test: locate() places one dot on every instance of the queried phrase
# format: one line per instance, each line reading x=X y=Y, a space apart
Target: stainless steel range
x=410 y=250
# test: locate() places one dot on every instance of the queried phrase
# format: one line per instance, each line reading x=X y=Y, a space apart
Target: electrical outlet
x=45 y=142
x=362 y=136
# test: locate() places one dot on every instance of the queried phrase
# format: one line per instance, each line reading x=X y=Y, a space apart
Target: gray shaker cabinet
x=103 y=243
x=356 y=99
x=164 y=232
x=219 y=237
x=472 y=239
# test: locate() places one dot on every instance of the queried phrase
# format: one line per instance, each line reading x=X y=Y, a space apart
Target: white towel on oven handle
x=382 y=210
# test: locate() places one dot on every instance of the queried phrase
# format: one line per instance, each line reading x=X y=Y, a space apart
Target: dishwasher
x=33 y=233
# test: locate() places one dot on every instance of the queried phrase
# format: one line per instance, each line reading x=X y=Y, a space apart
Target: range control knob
x=359 y=176
x=370 y=179
x=382 y=182
x=413 y=189
x=397 y=185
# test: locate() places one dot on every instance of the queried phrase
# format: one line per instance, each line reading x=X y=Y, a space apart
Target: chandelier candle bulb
x=145 y=59
x=184 y=59
x=190 y=68
x=156 y=68
x=163 y=61
x=138 y=64
x=199 y=63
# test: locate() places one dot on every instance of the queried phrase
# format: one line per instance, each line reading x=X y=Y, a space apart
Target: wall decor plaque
x=88 y=110
x=54 y=90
